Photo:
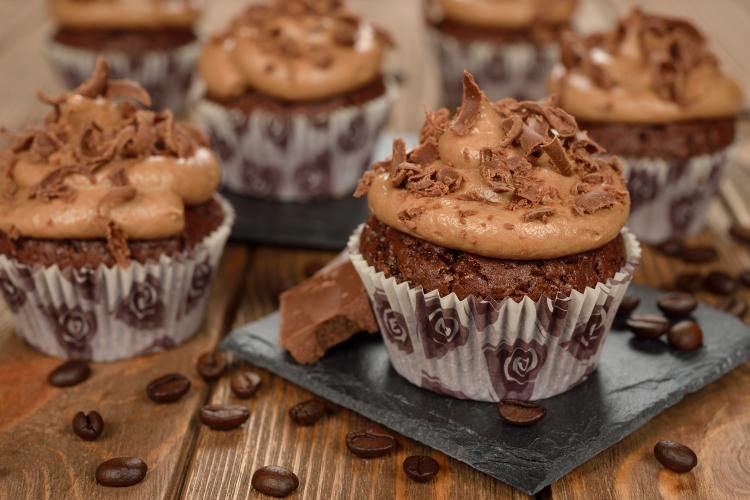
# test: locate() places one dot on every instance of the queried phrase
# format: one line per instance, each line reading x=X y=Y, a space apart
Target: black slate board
x=636 y=380
x=325 y=224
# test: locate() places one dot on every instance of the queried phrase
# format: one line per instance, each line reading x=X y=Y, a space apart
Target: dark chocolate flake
x=469 y=111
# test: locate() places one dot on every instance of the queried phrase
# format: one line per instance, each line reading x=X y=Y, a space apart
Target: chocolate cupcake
x=110 y=228
x=295 y=99
x=495 y=258
x=150 y=41
x=510 y=46
x=651 y=91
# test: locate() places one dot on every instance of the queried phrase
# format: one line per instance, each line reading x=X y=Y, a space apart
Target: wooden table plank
x=40 y=457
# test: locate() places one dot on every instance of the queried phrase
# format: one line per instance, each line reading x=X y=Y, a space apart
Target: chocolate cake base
x=437 y=268
x=200 y=221
x=127 y=41
x=671 y=141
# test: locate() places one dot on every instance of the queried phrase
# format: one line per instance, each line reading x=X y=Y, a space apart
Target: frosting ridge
x=508 y=14
x=133 y=14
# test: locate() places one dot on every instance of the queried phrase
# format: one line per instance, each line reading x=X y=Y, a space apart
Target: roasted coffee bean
x=121 y=471
x=699 y=254
x=308 y=412
x=689 y=282
x=245 y=384
x=720 y=283
x=671 y=248
x=421 y=468
x=211 y=365
x=88 y=427
x=370 y=444
x=223 y=417
x=521 y=413
x=648 y=326
x=168 y=388
x=70 y=373
x=744 y=277
x=685 y=336
x=735 y=305
x=628 y=305
x=275 y=481
x=740 y=233
x=676 y=304
x=675 y=456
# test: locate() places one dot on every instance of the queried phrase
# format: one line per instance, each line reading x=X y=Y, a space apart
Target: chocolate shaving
x=127 y=88
x=588 y=203
x=117 y=242
x=408 y=216
x=562 y=122
x=556 y=153
x=425 y=153
x=593 y=178
x=469 y=110
x=513 y=126
x=364 y=184
x=435 y=124
x=498 y=177
x=451 y=178
x=541 y=214
x=398 y=155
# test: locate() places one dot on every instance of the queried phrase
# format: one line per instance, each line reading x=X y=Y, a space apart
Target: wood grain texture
x=40 y=457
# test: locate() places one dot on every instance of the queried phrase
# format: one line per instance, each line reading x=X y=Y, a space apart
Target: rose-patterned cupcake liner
x=111 y=313
x=295 y=156
x=167 y=75
x=485 y=350
x=670 y=199
x=516 y=69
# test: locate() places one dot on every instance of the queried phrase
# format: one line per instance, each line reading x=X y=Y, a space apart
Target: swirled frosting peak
x=100 y=167
x=126 y=14
x=648 y=69
x=294 y=50
x=509 y=179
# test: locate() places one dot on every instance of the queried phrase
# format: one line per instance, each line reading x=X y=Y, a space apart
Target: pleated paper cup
x=167 y=75
x=291 y=156
x=111 y=313
x=486 y=350
x=670 y=199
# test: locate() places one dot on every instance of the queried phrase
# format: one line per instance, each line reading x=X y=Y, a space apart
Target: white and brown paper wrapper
x=517 y=70
x=167 y=75
x=295 y=156
x=111 y=313
x=488 y=351
x=670 y=199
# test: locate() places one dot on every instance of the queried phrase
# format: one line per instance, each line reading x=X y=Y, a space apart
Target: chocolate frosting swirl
x=126 y=14
x=509 y=179
x=295 y=50
x=99 y=167
x=648 y=69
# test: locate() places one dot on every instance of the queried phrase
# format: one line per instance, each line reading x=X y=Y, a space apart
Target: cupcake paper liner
x=671 y=199
x=485 y=350
x=517 y=70
x=111 y=313
x=295 y=156
x=166 y=74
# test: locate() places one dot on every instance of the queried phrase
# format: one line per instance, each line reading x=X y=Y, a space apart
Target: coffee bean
x=520 y=413
x=648 y=326
x=223 y=417
x=744 y=277
x=370 y=444
x=740 y=233
x=70 y=373
x=628 y=305
x=720 y=283
x=736 y=306
x=699 y=254
x=88 y=427
x=676 y=304
x=421 y=468
x=671 y=248
x=121 y=471
x=685 y=336
x=689 y=282
x=168 y=388
x=211 y=365
x=274 y=481
x=675 y=456
x=308 y=412
x=245 y=384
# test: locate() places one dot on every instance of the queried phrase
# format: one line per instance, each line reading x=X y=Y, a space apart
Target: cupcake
x=495 y=257
x=150 y=41
x=110 y=228
x=652 y=92
x=295 y=99
x=510 y=46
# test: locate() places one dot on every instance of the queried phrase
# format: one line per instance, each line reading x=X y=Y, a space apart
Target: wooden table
x=40 y=457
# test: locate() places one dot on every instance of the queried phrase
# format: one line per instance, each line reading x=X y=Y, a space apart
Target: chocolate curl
x=556 y=153
x=589 y=203
x=96 y=85
x=117 y=243
x=513 y=126
x=399 y=153
x=427 y=152
x=129 y=89
x=469 y=110
x=560 y=120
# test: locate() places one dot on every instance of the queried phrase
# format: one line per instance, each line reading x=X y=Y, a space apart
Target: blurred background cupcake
x=152 y=42
x=294 y=98
x=651 y=91
x=509 y=46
